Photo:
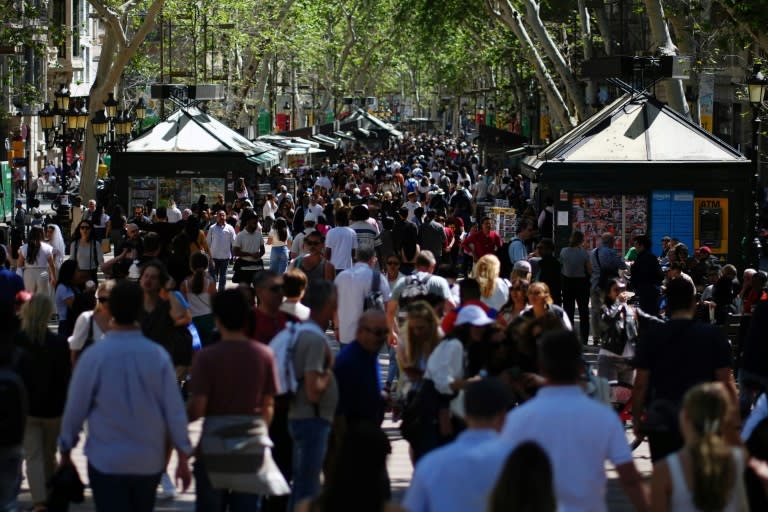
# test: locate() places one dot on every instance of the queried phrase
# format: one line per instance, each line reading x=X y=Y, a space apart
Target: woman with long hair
x=575 y=271
x=91 y=325
x=86 y=252
x=543 y=305
x=199 y=290
x=45 y=370
x=279 y=239
x=100 y=220
x=64 y=297
x=706 y=474
x=56 y=240
x=526 y=482
x=516 y=304
x=36 y=260
x=241 y=189
x=420 y=335
x=494 y=291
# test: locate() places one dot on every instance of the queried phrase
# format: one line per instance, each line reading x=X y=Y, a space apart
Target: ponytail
x=714 y=471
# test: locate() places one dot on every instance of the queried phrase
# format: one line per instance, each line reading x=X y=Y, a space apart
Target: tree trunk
x=604 y=25
x=590 y=93
x=572 y=88
x=116 y=52
x=665 y=46
x=511 y=18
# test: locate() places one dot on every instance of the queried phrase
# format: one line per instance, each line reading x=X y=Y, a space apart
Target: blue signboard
x=671 y=215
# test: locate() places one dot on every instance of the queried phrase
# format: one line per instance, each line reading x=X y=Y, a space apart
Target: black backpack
x=14 y=407
x=505 y=267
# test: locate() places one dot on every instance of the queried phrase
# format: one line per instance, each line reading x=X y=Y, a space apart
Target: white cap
x=473 y=315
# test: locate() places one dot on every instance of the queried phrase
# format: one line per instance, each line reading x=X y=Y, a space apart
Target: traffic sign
x=19 y=162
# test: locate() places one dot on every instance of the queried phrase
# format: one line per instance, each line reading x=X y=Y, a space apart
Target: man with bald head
x=358 y=377
x=358 y=373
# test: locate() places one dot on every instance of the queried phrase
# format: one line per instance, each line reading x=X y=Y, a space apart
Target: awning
x=325 y=140
x=304 y=151
x=344 y=135
x=267 y=158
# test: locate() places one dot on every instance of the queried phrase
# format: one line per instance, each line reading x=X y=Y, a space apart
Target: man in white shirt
x=297 y=248
x=323 y=181
x=248 y=248
x=353 y=285
x=340 y=243
x=411 y=205
x=594 y=433
x=173 y=212
x=220 y=238
x=314 y=210
x=460 y=476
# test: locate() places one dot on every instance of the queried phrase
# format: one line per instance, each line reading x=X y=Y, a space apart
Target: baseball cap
x=473 y=315
x=522 y=265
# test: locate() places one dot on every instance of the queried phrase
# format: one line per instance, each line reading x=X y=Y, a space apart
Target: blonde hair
x=417 y=349
x=35 y=315
x=540 y=288
x=105 y=286
x=714 y=470
x=486 y=273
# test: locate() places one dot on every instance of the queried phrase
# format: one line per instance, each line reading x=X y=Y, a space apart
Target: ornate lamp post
x=113 y=127
x=756 y=85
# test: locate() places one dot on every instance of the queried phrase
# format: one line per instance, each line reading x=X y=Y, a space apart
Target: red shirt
x=484 y=244
x=263 y=327
x=450 y=318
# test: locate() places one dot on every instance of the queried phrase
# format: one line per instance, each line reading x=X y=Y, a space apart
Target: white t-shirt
x=499 y=296
x=341 y=240
x=249 y=242
x=45 y=252
x=276 y=242
x=353 y=285
x=577 y=452
x=80 y=331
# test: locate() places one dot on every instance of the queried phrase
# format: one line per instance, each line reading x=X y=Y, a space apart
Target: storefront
x=188 y=155
x=639 y=167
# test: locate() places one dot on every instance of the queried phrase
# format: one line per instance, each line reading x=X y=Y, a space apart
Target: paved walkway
x=399 y=465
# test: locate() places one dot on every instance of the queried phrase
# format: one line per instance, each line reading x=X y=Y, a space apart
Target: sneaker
x=168 y=491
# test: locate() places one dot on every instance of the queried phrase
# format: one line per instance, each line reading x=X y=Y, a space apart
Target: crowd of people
x=383 y=255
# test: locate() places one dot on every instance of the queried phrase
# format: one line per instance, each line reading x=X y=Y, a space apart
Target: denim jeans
x=278 y=259
x=209 y=499
x=123 y=493
x=310 y=441
x=219 y=273
x=10 y=478
x=393 y=370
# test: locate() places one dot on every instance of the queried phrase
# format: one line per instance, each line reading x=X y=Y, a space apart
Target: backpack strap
x=375 y=281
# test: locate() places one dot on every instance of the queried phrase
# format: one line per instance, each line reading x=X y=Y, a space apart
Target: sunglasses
x=313 y=242
x=103 y=299
x=393 y=263
x=86 y=228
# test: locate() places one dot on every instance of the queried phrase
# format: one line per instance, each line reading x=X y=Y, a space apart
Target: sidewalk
x=398 y=464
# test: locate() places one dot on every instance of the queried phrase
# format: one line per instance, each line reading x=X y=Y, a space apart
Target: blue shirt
x=609 y=259
x=358 y=377
x=517 y=251
x=458 y=476
x=10 y=285
x=125 y=386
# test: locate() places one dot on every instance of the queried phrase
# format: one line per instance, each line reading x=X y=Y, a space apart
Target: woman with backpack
x=91 y=325
x=45 y=369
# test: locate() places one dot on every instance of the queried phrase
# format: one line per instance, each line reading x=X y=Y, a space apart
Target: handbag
x=237 y=453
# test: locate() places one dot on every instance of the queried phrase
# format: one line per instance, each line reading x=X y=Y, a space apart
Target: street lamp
x=112 y=128
x=756 y=85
